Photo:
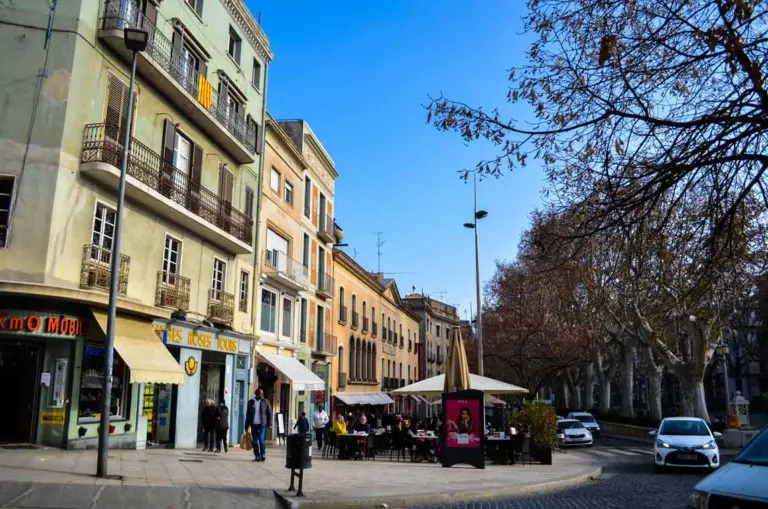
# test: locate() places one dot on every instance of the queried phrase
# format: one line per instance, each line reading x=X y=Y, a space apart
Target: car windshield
x=756 y=452
x=684 y=428
x=569 y=425
x=585 y=418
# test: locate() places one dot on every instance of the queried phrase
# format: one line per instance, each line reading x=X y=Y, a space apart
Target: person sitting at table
x=339 y=426
x=362 y=426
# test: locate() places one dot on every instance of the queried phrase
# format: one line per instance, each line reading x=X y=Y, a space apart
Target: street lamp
x=478 y=214
x=135 y=40
x=724 y=351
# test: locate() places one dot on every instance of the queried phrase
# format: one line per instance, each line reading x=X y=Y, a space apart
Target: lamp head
x=481 y=214
x=469 y=225
x=135 y=39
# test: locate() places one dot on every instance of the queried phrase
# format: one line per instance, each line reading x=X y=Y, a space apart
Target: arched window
x=401 y=370
x=366 y=356
x=352 y=370
x=409 y=374
x=373 y=364
x=354 y=302
x=370 y=362
x=341 y=361
x=358 y=357
x=342 y=309
x=364 y=310
x=382 y=367
x=389 y=369
x=389 y=330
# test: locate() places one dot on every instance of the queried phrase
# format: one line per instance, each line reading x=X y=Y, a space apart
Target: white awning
x=364 y=398
x=302 y=379
x=434 y=386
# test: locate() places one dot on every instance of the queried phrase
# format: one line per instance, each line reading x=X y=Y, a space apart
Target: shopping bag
x=246 y=443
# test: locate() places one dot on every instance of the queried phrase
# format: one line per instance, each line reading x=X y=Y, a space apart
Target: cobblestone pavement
x=629 y=482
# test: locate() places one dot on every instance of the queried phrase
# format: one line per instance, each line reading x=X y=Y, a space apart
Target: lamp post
x=724 y=351
x=478 y=214
x=135 y=40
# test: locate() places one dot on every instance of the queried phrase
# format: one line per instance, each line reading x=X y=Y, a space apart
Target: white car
x=741 y=483
x=685 y=442
x=572 y=432
x=588 y=420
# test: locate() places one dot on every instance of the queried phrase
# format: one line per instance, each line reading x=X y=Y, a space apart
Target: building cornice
x=248 y=25
x=287 y=141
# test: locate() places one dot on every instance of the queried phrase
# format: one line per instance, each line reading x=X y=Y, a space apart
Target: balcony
x=342 y=380
x=343 y=315
x=355 y=320
x=324 y=285
x=96 y=269
x=374 y=329
x=165 y=190
x=325 y=229
x=365 y=324
x=221 y=306
x=284 y=271
x=325 y=344
x=178 y=81
x=388 y=349
x=172 y=291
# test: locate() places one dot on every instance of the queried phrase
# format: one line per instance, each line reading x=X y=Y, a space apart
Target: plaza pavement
x=169 y=479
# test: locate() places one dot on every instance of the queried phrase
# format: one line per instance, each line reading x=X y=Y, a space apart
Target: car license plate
x=687 y=457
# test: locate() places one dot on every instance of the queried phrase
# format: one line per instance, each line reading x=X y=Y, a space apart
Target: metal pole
x=109 y=350
x=477 y=289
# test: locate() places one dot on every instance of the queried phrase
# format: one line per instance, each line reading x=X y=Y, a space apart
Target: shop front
x=369 y=403
x=215 y=367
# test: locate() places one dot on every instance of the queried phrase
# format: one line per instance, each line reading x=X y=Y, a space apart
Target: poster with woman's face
x=463 y=423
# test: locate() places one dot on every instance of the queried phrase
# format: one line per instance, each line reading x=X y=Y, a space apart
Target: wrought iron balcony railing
x=365 y=324
x=279 y=262
x=355 y=319
x=342 y=380
x=172 y=291
x=342 y=314
x=162 y=176
x=325 y=284
x=374 y=329
x=96 y=269
x=326 y=343
x=221 y=306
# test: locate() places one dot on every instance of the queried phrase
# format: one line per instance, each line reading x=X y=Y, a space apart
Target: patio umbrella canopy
x=434 y=386
x=456 y=365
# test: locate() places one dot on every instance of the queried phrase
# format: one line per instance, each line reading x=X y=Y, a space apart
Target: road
x=629 y=482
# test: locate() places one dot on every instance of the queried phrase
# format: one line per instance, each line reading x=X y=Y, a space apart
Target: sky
x=360 y=73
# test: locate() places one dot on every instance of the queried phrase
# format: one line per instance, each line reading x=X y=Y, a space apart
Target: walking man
x=259 y=418
x=320 y=421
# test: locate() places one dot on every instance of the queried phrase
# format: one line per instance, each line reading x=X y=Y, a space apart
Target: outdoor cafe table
x=500 y=448
x=350 y=444
x=426 y=447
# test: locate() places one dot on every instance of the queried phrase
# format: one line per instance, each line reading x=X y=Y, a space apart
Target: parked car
x=685 y=442
x=740 y=483
x=588 y=420
x=573 y=432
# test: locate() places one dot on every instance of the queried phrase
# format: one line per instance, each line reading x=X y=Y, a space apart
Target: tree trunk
x=589 y=387
x=654 y=395
x=563 y=396
x=626 y=385
x=605 y=394
x=692 y=396
x=576 y=392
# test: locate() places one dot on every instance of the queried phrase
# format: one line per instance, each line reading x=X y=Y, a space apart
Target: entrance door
x=19 y=366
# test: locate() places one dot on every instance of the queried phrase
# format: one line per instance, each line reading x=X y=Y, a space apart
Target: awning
x=419 y=399
x=364 y=398
x=435 y=386
x=302 y=379
x=138 y=345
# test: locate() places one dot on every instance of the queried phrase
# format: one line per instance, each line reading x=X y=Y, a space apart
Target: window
x=437 y=330
x=248 y=202
x=197 y=5
x=268 y=311
x=235 y=45
x=307 y=197
x=103 y=233
x=92 y=386
x=171 y=259
x=287 y=319
x=274 y=180
x=245 y=282
x=219 y=275
x=277 y=251
x=447 y=333
x=305 y=251
x=6 y=195
x=303 y=336
x=289 y=193
x=322 y=220
x=256 y=75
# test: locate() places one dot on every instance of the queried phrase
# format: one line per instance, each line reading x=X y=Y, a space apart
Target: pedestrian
x=208 y=421
x=302 y=425
x=320 y=421
x=222 y=426
x=258 y=418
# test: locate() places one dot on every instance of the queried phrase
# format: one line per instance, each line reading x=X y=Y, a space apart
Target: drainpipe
x=257 y=225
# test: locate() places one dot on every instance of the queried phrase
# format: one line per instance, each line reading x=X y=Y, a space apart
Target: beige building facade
x=186 y=263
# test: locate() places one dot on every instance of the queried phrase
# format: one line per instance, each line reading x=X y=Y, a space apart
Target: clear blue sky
x=359 y=73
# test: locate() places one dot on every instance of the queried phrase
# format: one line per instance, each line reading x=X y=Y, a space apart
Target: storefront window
x=92 y=386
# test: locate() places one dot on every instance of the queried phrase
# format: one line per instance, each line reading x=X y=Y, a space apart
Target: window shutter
x=197 y=172
x=199 y=7
x=150 y=16
x=259 y=138
x=202 y=68
x=166 y=166
x=223 y=95
x=115 y=93
x=226 y=181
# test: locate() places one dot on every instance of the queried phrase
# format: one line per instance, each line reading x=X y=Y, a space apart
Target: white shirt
x=320 y=419
x=257 y=411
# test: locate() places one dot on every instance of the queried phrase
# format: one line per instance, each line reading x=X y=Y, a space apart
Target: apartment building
x=295 y=344
x=378 y=338
x=185 y=310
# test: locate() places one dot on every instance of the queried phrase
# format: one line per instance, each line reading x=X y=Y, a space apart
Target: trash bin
x=298 y=451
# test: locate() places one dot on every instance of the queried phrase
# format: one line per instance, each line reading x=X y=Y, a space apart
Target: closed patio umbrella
x=457 y=367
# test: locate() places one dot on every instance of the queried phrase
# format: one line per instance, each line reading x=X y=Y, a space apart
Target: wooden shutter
x=150 y=15
x=259 y=138
x=226 y=184
x=195 y=177
x=166 y=165
x=223 y=96
x=115 y=123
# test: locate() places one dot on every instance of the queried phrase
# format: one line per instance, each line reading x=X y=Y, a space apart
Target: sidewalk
x=167 y=478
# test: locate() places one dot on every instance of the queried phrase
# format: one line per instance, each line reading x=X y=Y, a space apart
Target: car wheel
x=658 y=468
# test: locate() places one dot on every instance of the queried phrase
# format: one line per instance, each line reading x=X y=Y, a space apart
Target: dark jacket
x=208 y=417
x=302 y=425
x=222 y=417
x=362 y=428
x=266 y=413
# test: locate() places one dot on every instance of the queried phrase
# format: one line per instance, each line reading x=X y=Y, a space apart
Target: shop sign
x=203 y=340
x=42 y=324
x=319 y=396
x=191 y=366
x=52 y=417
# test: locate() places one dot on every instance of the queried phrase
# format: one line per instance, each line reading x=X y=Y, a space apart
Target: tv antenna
x=441 y=293
x=379 y=244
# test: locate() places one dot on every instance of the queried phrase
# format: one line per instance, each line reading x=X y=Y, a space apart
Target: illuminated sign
x=204 y=340
x=42 y=324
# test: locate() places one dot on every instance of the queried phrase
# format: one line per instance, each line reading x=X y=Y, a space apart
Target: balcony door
x=277 y=251
x=103 y=233
x=182 y=161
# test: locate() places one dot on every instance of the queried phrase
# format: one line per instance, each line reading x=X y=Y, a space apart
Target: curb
x=406 y=500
